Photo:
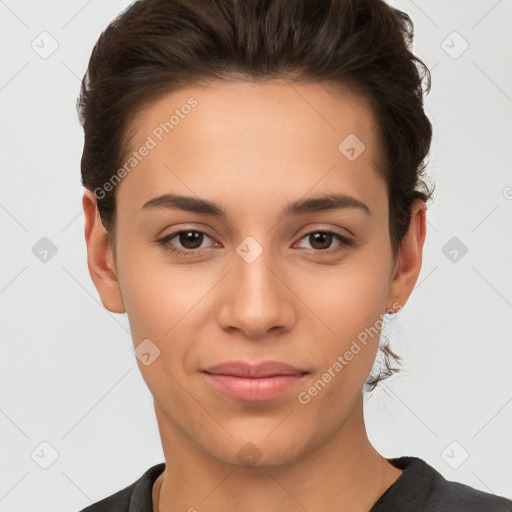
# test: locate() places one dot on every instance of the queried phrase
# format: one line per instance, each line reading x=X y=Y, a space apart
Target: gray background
x=68 y=374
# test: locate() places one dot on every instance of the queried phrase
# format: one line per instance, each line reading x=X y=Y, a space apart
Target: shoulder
x=450 y=495
x=118 y=502
x=136 y=496
x=422 y=487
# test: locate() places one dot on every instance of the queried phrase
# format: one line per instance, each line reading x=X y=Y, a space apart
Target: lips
x=254 y=370
x=254 y=382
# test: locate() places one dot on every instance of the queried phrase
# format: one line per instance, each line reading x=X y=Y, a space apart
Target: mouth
x=254 y=382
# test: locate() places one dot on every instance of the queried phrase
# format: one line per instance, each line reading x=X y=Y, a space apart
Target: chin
x=258 y=451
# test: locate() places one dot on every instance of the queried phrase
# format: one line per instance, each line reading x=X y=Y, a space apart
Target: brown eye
x=186 y=242
x=321 y=241
x=190 y=239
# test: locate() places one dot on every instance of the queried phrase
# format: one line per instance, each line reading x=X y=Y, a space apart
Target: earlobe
x=408 y=264
x=100 y=259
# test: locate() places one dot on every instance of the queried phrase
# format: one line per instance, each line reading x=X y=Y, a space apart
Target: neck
x=344 y=473
x=157 y=491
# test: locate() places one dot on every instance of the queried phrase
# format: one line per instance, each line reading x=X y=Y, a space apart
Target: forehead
x=267 y=108
x=259 y=135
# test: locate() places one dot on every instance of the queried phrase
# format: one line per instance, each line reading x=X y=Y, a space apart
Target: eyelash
x=345 y=242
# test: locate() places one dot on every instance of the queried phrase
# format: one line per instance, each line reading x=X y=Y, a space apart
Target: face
x=263 y=281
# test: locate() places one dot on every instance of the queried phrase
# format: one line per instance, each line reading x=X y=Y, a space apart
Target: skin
x=252 y=148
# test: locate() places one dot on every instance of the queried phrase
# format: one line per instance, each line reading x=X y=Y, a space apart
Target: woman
x=255 y=203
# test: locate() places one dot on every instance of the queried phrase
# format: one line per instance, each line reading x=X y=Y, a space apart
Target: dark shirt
x=419 y=488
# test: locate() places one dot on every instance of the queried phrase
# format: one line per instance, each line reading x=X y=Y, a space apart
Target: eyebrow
x=323 y=202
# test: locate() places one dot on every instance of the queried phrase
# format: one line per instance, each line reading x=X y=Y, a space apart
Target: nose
x=256 y=297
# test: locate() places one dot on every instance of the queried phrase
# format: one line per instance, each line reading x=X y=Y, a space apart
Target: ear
x=100 y=259
x=408 y=262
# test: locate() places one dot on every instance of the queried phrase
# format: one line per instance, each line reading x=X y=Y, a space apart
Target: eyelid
x=344 y=232
x=322 y=228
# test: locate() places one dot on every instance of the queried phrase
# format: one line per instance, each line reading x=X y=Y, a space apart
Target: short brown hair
x=157 y=46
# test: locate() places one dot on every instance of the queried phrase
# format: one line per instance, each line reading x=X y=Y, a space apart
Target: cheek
x=351 y=305
x=168 y=304
x=350 y=297
x=156 y=300
x=151 y=299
